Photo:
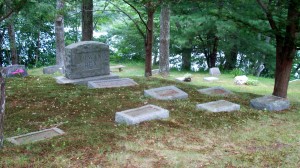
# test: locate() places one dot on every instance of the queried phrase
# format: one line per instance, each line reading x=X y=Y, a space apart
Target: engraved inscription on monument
x=86 y=59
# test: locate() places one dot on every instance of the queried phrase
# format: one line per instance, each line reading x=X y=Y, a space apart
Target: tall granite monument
x=86 y=61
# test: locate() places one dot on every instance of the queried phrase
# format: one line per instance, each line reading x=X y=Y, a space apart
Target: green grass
x=189 y=138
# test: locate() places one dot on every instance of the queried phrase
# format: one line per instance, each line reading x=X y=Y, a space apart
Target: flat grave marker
x=215 y=91
x=218 y=106
x=35 y=136
x=210 y=79
x=270 y=102
x=166 y=93
x=141 y=114
x=122 y=82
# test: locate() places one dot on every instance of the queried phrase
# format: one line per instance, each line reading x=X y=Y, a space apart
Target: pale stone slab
x=64 y=80
x=120 y=67
x=218 y=106
x=210 y=79
x=166 y=93
x=214 y=71
x=240 y=80
x=155 y=71
x=35 y=136
x=183 y=79
x=86 y=59
x=138 y=115
x=270 y=102
x=215 y=91
x=52 y=69
x=123 y=82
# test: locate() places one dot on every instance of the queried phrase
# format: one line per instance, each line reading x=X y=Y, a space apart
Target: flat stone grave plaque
x=218 y=106
x=210 y=79
x=214 y=71
x=166 y=93
x=183 y=79
x=270 y=102
x=35 y=136
x=215 y=91
x=110 y=83
x=138 y=115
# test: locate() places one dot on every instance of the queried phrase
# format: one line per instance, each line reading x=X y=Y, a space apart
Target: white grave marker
x=137 y=115
x=218 y=106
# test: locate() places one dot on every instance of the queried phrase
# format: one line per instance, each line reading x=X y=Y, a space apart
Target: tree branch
x=136 y=24
x=269 y=16
x=140 y=16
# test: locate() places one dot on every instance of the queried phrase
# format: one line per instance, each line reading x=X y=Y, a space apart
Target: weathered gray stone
x=84 y=81
x=123 y=82
x=15 y=71
x=86 y=59
x=166 y=93
x=35 y=136
x=270 y=102
x=215 y=91
x=155 y=71
x=52 y=69
x=210 y=79
x=214 y=71
x=218 y=106
x=138 y=115
x=240 y=80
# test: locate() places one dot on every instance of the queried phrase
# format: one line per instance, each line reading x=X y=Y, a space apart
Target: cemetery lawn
x=189 y=138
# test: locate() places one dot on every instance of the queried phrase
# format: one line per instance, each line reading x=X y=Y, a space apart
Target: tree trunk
x=186 y=58
x=12 y=41
x=60 y=34
x=286 y=50
x=1 y=42
x=2 y=109
x=37 y=50
x=149 y=41
x=164 y=40
x=231 y=58
x=213 y=56
x=87 y=20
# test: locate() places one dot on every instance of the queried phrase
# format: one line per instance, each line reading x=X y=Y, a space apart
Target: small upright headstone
x=215 y=91
x=15 y=71
x=214 y=71
x=166 y=93
x=86 y=61
x=270 y=103
x=218 y=106
x=137 y=115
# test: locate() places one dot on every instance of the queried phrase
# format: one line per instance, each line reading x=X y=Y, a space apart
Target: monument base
x=84 y=81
